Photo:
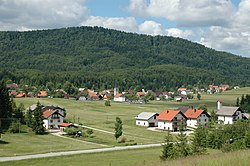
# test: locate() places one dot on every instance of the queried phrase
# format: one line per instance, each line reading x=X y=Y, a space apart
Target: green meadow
x=139 y=157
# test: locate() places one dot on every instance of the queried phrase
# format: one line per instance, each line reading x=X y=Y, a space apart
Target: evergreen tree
x=213 y=116
x=37 y=125
x=237 y=102
x=18 y=112
x=182 y=143
x=28 y=118
x=5 y=107
x=118 y=128
x=199 y=140
x=247 y=137
x=168 y=148
x=242 y=101
x=199 y=96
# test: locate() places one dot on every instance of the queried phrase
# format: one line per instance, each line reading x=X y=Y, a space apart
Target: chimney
x=219 y=105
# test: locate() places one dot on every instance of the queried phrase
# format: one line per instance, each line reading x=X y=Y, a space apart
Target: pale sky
x=220 y=24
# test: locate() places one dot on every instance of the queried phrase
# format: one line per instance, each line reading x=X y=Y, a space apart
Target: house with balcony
x=52 y=118
x=172 y=120
x=228 y=115
x=196 y=117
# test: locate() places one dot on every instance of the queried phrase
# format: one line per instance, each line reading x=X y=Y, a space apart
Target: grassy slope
x=139 y=157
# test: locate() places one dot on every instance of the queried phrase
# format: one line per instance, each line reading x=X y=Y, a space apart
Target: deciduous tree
x=118 y=128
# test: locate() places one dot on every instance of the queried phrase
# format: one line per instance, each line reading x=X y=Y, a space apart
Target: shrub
x=71 y=131
x=123 y=140
x=15 y=127
x=107 y=103
x=89 y=132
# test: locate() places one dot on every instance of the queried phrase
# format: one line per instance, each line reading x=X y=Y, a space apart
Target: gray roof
x=145 y=115
x=183 y=109
x=227 y=111
x=246 y=115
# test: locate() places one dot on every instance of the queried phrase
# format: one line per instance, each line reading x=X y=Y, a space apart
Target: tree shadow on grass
x=45 y=133
x=3 y=142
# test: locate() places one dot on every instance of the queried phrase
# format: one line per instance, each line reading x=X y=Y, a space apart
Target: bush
x=107 y=103
x=123 y=140
x=89 y=132
x=71 y=131
x=15 y=127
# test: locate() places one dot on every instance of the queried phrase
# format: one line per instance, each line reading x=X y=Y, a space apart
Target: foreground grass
x=239 y=158
x=139 y=157
x=29 y=143
x=121 y=158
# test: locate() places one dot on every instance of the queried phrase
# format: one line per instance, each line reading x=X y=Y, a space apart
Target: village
x=170 y=120
x=145 y=117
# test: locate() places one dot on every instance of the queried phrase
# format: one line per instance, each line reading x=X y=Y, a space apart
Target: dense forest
x=95 y=57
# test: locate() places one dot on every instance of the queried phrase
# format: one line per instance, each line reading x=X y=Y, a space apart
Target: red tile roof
x=64 y=124
x=42 y=94
x=140 y=93
x=13 y=93
x=182 y=89
x=193 y=113
x=21 y=95
x=118 y=95
x=168 y=115
x=48 y=113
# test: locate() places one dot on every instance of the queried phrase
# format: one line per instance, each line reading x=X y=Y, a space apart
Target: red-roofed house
x=120 y=97
x=13 y=93
x=196 y=117
x=20 y=95
x=171 y=120
x=64 y=125
x=13 y=85
x=140 y=94
x=52 y=118
x=42 y=94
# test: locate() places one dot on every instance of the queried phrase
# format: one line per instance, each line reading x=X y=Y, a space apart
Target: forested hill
x=93 y=56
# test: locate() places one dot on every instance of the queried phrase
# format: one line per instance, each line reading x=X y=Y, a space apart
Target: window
x=51 y=121
x=144 y=123
x=138 y=122
x=205 y=120
x=59 y=120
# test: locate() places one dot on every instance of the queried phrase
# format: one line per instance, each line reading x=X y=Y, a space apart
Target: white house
x=227 y=115
x=196 y=117
x=147 y=119
x=52 y=118
x=171 y=120
x=120 y=97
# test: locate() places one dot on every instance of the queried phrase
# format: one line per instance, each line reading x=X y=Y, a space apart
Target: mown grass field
x=139 y=157
x=29 y=143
